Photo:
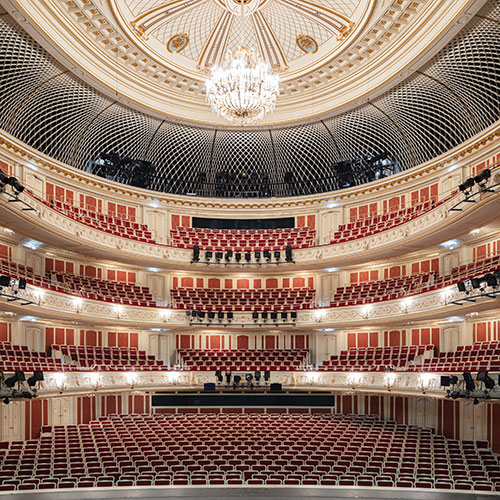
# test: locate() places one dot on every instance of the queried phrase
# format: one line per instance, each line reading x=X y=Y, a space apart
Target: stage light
x=277 y=255
x=288 y=253
x=257 y=376
x=4 y=179
x=5 y=401
x=248 y=256
x=454 y=379
x=257 y=256
x=445 y=381
x=461 y=286
x=16 y=185
x=218 y=256
x=230 y=316
x=218 y=376
x=36 y=377
x=469 y=382
x=267 y=375
x=248 y=377
x=4 y=280
x=237 y=257
x=482 y=376
x=228 y=255
x=490 y=280
x=284 y=315
x=196 y=253
x=211 y=315
x=274 y=315
x=255 y=316
x=466 y=186
x=14 y=379
x=455 y=394
x=264 y=316
x=476 y=401
x=201 y=315
x=208 y=255
x=220 y=315
x=476 y=282
x=267 y=255
x=293 y=315
x=482 y=177
x=236 y=381
x=228 y=377
x=22 y=284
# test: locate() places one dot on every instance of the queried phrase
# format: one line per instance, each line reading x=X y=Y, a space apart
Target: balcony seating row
x=112 y=224
x=15 y=357
x=107 y=358
x=229 y=299
x=374 y=224
x=82 y=286
x=221 y=240
x=369 y=359
x=236 y=449
x=243 y=360
x=377 y=291
x=480 y=356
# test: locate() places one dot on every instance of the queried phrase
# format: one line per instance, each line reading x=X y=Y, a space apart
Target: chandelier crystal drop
x=244 y=90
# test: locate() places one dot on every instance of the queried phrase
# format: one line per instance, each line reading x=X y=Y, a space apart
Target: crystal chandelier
x=244 y=90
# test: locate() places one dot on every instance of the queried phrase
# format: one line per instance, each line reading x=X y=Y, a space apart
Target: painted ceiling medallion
x=307 y=44
x=177 y=43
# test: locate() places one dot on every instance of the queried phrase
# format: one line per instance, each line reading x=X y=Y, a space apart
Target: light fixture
x=245 y=89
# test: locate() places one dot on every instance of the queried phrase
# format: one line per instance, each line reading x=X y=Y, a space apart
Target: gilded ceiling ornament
x=177 y=43
x=307 y=43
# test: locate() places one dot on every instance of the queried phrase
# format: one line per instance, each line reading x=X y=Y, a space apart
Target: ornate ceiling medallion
x=177 y=43
x=307 y=43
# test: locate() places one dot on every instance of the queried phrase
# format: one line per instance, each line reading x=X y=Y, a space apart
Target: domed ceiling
x=155 y=55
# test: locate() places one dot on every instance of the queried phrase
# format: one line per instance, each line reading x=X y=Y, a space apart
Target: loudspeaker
x=461 y=286
x=209 y=386
x=196 y=253
x=22 y=284
x=4 y=280
x=276 y=387
x=288 y=253
x=445 y=381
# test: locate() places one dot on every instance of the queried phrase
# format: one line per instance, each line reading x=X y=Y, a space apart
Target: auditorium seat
x=367 y=359
x=243 y=359
x=242 y=240
x=107 y=358
x=230 y=299
x=257 y=449
x=82 y=286
x=109 y=223
x=15 y=357
x=479 y=356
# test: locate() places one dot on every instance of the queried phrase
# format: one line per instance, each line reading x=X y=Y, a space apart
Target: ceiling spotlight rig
x=484 y=387
x=482 y=287
x=467 y=188
x=13 y=289
x=12 y=188
x=16 y=387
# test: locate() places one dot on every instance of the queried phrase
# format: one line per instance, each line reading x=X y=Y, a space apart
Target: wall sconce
x=131 y=378
x=39 y=296
x=354 y=379
x=424 y=382
x=60 y=381
x=95 y=381
x=405 y=305
x=118 y=311
x=78 y=303
x=390 y=380
x=165 y=315
x=365 y=311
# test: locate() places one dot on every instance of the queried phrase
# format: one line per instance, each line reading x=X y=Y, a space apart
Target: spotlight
x=22 y=284
x=211 y=315
x=267 y=255
x=277 y=255
x=454 y=380
x=228 y=377
x=228 y=255
x=218 y=376
x=257 y=376
x=490 y=280
x=220 y=315
x=267 y=375
x=4 y=280
x=255 y=316
x=264 y=316
x=208 y=255
x=218 y=256
x=4 y=179
x=476 y=401
x=466 y=186
x=230 y=316
x=482 y=177
x=248 y=256
x=236 y=381
x=274 y=316
x=36 y=377
x=476 y=282
x=445 y=381
x=237 y=257
x=455 y=394
x=16 y=185
x=257 y=256
x=469 y=382
x=196 y=253
x=284 y=315
x=201 y=315
x=6 y=401
x=288 y=253
x=482 y=376
x=293 y=315
x=14 y=379
x=248 y=377
x=461 y=286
